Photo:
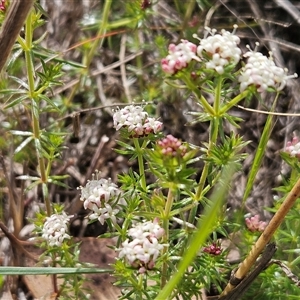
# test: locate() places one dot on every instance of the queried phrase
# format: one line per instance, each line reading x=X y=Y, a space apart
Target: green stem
x=190 y=85
x=217 y=101
x=54 y=276
x=98 y=42
x=102 y=30
x=139 y=61
x=166 y=221
x=214 y=131
x=207 y=107
x=34 y=103
x=188 y=15
x=28 y=58
x=234 y=101
x=139 y=151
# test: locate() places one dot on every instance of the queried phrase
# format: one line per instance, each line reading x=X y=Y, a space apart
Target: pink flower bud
x=254 y=224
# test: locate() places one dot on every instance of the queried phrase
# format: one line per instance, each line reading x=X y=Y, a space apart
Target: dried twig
x=242 y=286
x=290 y=8
x=286 y=270
x=14 y=21
x=16 y=207
x=16 y=243
x=266 y=236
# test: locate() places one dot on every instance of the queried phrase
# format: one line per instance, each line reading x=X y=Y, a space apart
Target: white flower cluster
x=220 y=49
x=136 y=120
x=179 y=56
x=55 y=229
x=143 y=247
x=293 y=147
x=262 y=72
x=102 y=197
x=217 y=51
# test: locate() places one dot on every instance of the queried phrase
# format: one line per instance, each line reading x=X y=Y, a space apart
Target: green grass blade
x=49 y=270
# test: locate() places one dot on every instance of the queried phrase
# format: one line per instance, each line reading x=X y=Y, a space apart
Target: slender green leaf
x=16 y=102
x=56 y=59
x=203 y=4
x=27 y=177
x=20 y=81
x=49 y=270
x=45 y=190
x=19 y=132
x=23 y=144
x=33 y=185
x=12 y=91
x=40 y=39
x=59 y=177
x=38 y=146
x=15 y=54
x=58 y=183
x=50 y=102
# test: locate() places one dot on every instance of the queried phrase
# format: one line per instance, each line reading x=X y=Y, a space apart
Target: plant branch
x=34 y=107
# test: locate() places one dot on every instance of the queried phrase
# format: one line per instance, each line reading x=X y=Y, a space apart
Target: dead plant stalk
x=266 y=236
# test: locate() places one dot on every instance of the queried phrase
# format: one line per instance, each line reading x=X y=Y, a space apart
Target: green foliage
x=162 y=185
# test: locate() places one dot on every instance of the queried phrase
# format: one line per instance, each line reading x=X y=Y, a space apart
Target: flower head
x=2 y=5
x=220 y=49
x=145 y=4
x=102 y=197
x=293 y=147
x=143 y=246
x=254 y=224
x=55 y=229
x=172 y=146
x=213 y=249
x=136 y=121
x=179 y=57
x=262 y=72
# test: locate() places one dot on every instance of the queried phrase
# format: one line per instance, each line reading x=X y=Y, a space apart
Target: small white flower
x=151 y=125
x=136 y=121
x=103 y=213
x=129 y=116
x=102 y=197
x=220 y=49
x=98 y=191
x=55 y=229
x=143 y=248
x=293 y=147
x=145 y=229
x=262 y=72
x=179 y=56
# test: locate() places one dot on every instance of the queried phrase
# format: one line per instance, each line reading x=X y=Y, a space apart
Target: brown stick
x=260 y=265
x=14 y=20
x=16 y=243
x=266 y=236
